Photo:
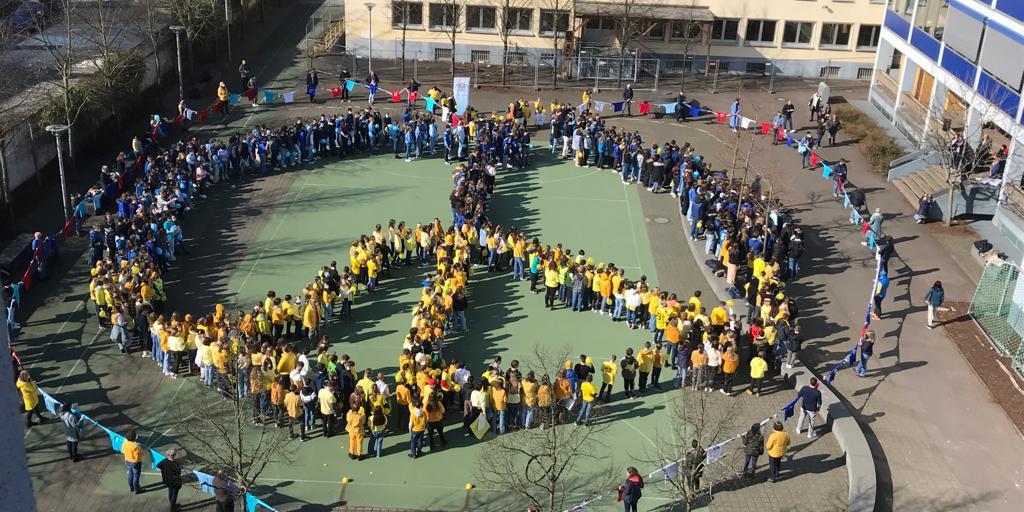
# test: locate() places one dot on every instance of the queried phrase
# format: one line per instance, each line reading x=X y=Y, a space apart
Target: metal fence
x=543 y=71
x=997 y=307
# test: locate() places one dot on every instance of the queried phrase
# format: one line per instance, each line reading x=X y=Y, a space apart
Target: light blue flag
x=826 y=171
x=254 y=504
x=156 y=456
x=857 y=219
x=350 y=84
x=116 y=440
x=51 y=404
x=670 y=108
x=205 y=481
x=846 y=200
x=233 y=99
x=430 y=103
x=268 y=96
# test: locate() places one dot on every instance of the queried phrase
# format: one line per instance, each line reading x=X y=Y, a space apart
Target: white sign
x=461 y=87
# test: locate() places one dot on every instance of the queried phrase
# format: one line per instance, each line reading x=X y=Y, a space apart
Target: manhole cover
x=661 y=220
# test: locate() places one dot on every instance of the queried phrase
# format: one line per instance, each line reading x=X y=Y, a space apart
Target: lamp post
x=227 y=21
x=369 y=53
x=177 y=44
x=57 y=130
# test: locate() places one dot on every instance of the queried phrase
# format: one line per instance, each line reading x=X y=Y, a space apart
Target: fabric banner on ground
x=289 y=97
x=617 y=106
x=670 y=108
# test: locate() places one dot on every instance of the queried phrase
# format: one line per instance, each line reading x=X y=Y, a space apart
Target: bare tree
x=633 y=21
x=118 y=64
x=403 y=15
x=953 y=147
x=218 y=430
x=696 y=419
x=151 y=25
x=447 y=19
x=547 y=466
x=511 y=14
x=63 y=45
x=198 y=17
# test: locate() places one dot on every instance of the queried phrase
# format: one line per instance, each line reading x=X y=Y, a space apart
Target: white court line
x=570 y=178
x=272 y=237
x=642 y=434
x=629 y=213
x=74 y=366
x=589 y=199
x=149 y=442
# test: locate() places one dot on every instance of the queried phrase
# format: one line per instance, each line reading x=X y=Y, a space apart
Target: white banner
x=461 y=87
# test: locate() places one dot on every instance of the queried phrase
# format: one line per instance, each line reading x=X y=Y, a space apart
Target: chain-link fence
x=997 y=307
x=543 y=71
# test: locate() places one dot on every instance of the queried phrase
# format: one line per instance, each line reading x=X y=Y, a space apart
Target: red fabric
x=814 y=159
x=645 y=108
x=455 y=120
x=69 y=228
x=720 y=116
x=203 y=115
x=27 y=278
x=251 y=94
x=864 y=228
x=412 y=97
x=396 y=97
x=336 y=91
x=177 y=120
x=765 y=128
x=781 y=134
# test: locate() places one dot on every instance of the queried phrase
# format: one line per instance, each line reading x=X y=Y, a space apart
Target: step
x=913 y=186
x=908 y=194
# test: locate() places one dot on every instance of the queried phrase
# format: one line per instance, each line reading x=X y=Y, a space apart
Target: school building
x=813 y=38
x=955 y=66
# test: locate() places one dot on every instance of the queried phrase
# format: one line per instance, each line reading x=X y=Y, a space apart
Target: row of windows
x=799 y=33
x=478 y=17
x=758 y=32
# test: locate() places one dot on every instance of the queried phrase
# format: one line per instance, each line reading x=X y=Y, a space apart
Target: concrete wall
x=15 y=483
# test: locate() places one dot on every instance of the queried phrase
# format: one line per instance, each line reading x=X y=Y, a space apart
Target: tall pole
x=227 y=21
x=177 y=44
x=369 y=53
x=57 y=130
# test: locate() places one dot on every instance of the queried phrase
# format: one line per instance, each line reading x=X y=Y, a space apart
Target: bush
x=872 y=141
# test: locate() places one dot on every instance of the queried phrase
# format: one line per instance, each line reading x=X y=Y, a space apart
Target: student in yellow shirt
x=29 y=398
x=355 y=419
x=658 y=362
x=588 y=393
x=417 y=427
x=758 y=368
x=608 y=370
x=550 y=285
x=645 y=364
x=499 y=402
x=133 y=460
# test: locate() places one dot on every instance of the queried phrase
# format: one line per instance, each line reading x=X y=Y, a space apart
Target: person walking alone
x=312 y=81
x=776 y=446
x=934 y=299
x=867 y=348
x=810 y=403
x=627 y=100
x=244 y=73
x=630 y=491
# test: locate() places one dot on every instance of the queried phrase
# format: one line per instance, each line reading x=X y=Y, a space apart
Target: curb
x=860 y=464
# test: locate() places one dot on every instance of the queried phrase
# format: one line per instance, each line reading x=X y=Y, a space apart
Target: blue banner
x=156 y=456
x=694 y=111
x=350 y=84
x=826 y=171
x=617 y=106
x=670 y=108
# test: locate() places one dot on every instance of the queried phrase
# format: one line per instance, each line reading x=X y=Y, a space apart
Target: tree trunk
x=504 y=60
x=453 y=58
x=949 y=200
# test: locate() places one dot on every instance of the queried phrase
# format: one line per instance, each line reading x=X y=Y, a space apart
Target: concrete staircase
x=930 y=180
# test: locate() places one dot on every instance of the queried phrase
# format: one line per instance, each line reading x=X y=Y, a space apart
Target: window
x=520 y=20
x=725 y=30
x=797 y=33
x=551 y=21
x=547 y=57
x=444 y=16
x=600 y=23
x=865 y=73
x=867 y=36
x=480 y=18
x=829 y=72
x=406 y=14
x=656 y=32
x=836 y=34
x=756 y=68
x=516 y=58
x=685 y=30
x=480 y=56
x=760 y=31
x=442 y=54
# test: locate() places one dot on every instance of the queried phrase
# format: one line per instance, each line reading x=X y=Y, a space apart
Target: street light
x=177 y=44
x=369 y=54
x=227 y=20
x=57 y=130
